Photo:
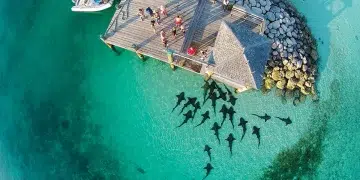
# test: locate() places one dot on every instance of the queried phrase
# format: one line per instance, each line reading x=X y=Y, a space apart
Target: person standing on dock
x=163 y=10
x=173 y=30
x=150 y=11
x=152 y=22
x=182 y=28
x=162 y=34
x=225 y=5
x=164 y=41
x=178 y=21
x=163 y=38
x=157 y=17
x=141 y=13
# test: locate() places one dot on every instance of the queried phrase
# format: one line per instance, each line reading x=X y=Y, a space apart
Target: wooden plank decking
x=134 y=31
x=201 y=19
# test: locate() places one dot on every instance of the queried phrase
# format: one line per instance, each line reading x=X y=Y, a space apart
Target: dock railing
x=250 y=16
x=119 y=10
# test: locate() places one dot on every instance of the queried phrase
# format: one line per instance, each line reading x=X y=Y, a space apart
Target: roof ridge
x=256 y=44
x=234 y=34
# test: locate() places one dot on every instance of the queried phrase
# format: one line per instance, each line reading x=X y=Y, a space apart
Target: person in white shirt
x=225 y=4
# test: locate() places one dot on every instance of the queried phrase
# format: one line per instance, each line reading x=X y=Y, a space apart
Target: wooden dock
x=201 y=19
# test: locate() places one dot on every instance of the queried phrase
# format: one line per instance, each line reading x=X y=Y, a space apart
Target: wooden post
x=208 y=75
x=112 y=47
x=136 y=48
x=107 y=44
x=171 y=58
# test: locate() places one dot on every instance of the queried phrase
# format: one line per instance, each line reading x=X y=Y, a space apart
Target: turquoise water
x=72 y=109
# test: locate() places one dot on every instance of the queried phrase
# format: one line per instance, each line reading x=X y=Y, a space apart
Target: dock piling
x=112 y=47
x=208 y=75
x=170 y=58
x=136 y=48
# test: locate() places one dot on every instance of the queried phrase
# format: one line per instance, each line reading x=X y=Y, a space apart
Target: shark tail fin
x=197 y=125
x=182 y=110
x=205 y=177
x=242 y=137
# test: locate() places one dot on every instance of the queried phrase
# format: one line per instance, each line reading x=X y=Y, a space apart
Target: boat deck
x=201 y=19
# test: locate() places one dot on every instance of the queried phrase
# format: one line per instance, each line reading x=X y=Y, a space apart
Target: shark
x=222 y=94
x=180 y=97
x=230 y=139
x=266 y=117
x=212 y=88
x=207 y=149
x=208 y=169
x=205 y=117
x=216 y=128
x=232 y=98
x=187 y=115
x=286 y=120
x=140 y=170
x=231 y=113
x=197 y=107
x=206 y=88
x=224 y=111
x=213 y=101
x=256 y=131
x=243 y=125
x=190 y=101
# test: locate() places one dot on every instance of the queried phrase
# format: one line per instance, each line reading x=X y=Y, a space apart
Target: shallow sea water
x=72 y=109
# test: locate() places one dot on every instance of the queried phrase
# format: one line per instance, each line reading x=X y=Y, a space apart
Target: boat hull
x=92 y=8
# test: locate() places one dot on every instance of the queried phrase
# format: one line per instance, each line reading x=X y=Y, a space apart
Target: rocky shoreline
x=292 y=65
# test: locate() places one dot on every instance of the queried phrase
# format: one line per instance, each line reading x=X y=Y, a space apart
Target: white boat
x=91 y=5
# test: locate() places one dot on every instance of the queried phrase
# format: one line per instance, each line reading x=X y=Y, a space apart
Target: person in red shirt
x=178 y=21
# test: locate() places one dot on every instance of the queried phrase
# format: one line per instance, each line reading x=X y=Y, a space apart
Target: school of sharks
x=213 y=92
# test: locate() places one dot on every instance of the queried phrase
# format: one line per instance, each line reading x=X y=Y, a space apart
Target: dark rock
x=274 y=46
x=270 y=16
x=296 y=102
x=284 y=27
x=267 y=7
x=263 y=2
x=289 y=94
x=281 y=31
x=252 y=2
x=256 y=10
x=275 y=9
x=279 y=92
x=288 y=41
x=275 y=24
x=289 y=34
x=302 y=98
x=271 y=35
x=275 y=53
x=266 y=31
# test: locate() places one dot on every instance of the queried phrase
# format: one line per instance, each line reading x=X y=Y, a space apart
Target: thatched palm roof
x=240 y=55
